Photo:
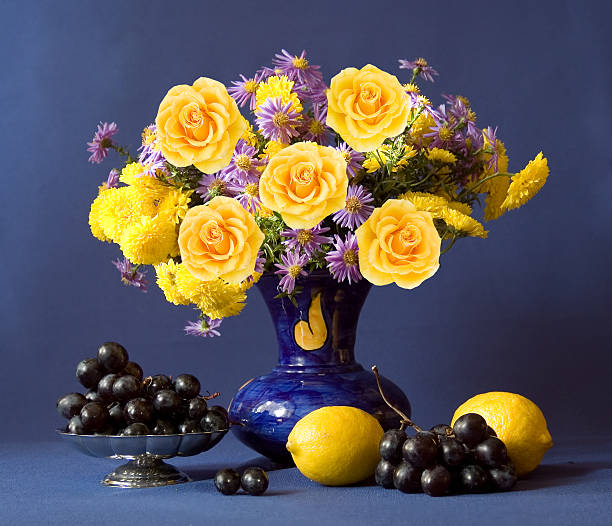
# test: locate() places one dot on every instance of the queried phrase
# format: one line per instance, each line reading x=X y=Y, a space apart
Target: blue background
x=526 y=311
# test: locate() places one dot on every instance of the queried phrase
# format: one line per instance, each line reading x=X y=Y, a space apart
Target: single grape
x=391 y=445
x=93 y=396
x=187 y=386
x=227 y=481
x=113 y=357
x=189 y=426
x=75 y=425
x=134 y=369
x=137 y=428
x=491 y=432
x=442 y=430
x=429 y=434
x=157 y=383
x=167 y=403
x=384 y=474
x=115 y=412
x=491 y=453
x=473 y=479
x=89 y=372
x=94 y=416
x=407 y=478
x=126 y=387
x=452 y=452
x=138 y=410
x=105 y=387
x=214 y=420
x=254 y=481
x=420 y=450
x=165 y=427
x=503 y=478
x=70 y=405
x=470 y=429
x=435 y=481
x=196 y=408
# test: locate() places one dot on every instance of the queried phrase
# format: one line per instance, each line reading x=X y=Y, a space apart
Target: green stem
x=489 y=177
x=449 y=246
x=415 y=73
x=123 y=151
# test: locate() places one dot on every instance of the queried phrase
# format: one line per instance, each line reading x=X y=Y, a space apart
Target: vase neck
x=321 y=329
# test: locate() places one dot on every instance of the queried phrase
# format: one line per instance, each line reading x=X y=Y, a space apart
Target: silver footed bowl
x=145 y=453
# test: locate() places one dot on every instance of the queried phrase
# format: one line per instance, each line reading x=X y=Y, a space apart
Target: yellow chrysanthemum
x=371 y=163
x=132 y=175
x=123 y=206
x=421 y=126
x=497 y=189
x=411 y=88
x=426 y=202
x=249 y=135
x=527 y=183
x=166 y=279
x=463 y=223
x=96 y=214
x=276 y=86
x=149 y=241
x=441 y=155
x=175 y=204
x=272 y=148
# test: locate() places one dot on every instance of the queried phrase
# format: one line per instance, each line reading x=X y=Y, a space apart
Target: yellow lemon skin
x=336 y=445
x=518 y=422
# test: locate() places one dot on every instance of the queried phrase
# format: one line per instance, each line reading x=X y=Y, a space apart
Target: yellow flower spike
x=166 y=280
x=527 y=183
x=276 y=86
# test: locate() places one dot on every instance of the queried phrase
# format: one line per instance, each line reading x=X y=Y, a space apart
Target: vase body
x=316 y=365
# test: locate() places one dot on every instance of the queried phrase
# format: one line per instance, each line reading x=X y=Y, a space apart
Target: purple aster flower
x=101 y=142
x=244 y=90
x=490 y=135
x=298 y=69
x=246 y=192
x=357 y=208
x=206 y=327
x=244 y=163
x=353 y=159
x=130 y=275
x=277 y=121
x=150 y=156
x=314 y=128
x=291 y=268
x=260 y=262
x=212 y=185
x=112 y=181
x=443 y=133
x=343 y=262
x=309 y=239
x=419 y=66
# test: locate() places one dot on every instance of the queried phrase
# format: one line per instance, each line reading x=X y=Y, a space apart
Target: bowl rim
x=200 y=433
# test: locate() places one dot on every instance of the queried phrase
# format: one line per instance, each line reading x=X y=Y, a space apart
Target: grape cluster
x=120 y=402
x=467 y=458
x=253 y=480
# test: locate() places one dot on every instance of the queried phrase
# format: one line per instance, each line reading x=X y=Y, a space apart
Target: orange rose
x=305 y=183
x=366 y=106
x=398 y=244
x=219 y=240
x=199 y=125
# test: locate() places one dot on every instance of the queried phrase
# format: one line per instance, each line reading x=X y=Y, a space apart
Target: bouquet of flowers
x=365 y=178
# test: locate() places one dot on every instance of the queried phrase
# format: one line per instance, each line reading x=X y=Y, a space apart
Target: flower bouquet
x=364 y=181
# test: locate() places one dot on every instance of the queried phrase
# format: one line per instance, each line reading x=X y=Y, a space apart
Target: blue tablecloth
x=47 y=482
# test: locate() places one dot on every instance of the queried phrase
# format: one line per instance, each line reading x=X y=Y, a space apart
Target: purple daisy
x=260 y=262
x=101 y=142
x=112 y=181
x=243 y=91
x=298 y=69
x=443 y=133
x=150 y=156
x=206 y=327
x=314 y=128
x=244 y=163
x=309 y=239
x=353 y=159
x=277 y=121
x=130 y=275
x=343 y=262
x=419 y=66
x=357 y=208
x=246 y=192
x=490 y=135
x=291 y=268
x=212 y=185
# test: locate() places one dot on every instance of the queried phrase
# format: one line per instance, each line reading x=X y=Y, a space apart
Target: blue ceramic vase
x=316 y=365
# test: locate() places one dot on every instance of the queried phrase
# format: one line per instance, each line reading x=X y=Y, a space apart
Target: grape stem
x=404 y=419
x=211 y=396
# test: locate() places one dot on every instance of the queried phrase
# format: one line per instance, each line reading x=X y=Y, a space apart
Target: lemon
x=518 y=422
x=336 y=445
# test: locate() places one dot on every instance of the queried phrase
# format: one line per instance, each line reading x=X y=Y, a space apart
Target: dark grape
x=156 y=383
x=452 y=452
x=89 y=372
x=126 y=387
x=105 y=387
x=137 y=428
x=473 y=479
x=214 y=420
x=187 y=386
x=435 y=481
x=491 y=432
x=384 y=474
x=470 y=429
x=108 y=430
x=75 y=425
x=442 y=430
x=71 y=404
x=407 y=478
x=196 y=408
x=503 y=478
x=138 y=410
x=113 y=357
x=115 y=412
x=227 y=481
x=93 y=396
x=132 y=368
x=420 y=450
x=391 y=445
x=429 y=434
x=189 y=426
x=491 y=453
x=167 y=402
x=165 y=427
x=254 y=481
x=94 y=416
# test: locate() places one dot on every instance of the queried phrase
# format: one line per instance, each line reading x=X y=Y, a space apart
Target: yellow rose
x=305 y=183
x=199 y=125
x=398 y=244
x=366 y=106
x=219 y=240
